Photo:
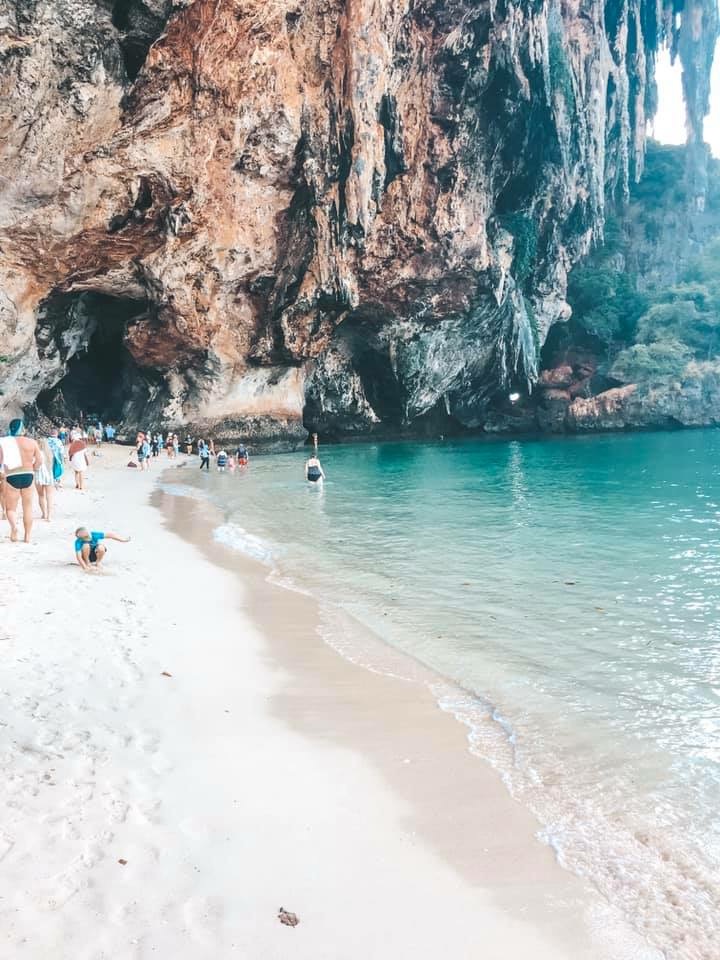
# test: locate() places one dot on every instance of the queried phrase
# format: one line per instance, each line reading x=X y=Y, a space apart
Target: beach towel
x=11 y=457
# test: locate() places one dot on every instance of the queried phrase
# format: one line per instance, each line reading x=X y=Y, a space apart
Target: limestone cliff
x=245 y=214
x=642 y=348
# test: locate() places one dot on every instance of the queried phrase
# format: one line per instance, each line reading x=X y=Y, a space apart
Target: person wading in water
x=314 y=472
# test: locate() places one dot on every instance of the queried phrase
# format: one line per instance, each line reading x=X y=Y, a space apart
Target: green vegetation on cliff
x=649 y=299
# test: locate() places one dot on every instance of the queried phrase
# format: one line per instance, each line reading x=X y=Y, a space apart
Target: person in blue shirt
x=89 y=551
x=109 y=432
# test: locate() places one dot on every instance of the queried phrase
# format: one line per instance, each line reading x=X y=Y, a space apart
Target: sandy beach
x=183 y=756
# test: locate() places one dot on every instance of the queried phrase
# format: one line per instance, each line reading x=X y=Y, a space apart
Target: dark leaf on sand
x=289 y=919
x=570 y=583
x=123 y=862
x=165 y=674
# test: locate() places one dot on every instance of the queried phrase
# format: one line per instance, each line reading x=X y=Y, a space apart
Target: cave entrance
x=102 y=379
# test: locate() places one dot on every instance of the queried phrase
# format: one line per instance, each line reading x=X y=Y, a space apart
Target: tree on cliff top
x=682 y=324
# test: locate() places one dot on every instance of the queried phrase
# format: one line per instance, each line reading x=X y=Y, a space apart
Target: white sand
x=221 y=810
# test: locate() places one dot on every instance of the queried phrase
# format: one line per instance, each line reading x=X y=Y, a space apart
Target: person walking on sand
x=44 y=479
x=314 y=472
x=58 y=451
x=20 y=457
x=79 y=461
x=89 y=551
x=142 y=449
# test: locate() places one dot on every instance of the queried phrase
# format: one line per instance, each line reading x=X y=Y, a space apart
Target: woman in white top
x=44 y=482
x=78 y=461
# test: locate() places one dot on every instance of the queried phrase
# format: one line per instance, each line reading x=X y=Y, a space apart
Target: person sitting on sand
x=20 y=457
x=89 y=551
x=313 y=470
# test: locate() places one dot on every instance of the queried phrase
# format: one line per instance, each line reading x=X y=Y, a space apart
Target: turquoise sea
x=571 y=589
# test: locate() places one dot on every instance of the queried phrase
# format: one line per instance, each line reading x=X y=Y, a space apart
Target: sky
x=669 y=126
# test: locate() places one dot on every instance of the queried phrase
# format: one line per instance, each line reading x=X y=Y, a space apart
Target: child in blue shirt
x=88 y=548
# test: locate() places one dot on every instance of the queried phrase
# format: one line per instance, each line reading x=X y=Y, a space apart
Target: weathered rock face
x=361 y=215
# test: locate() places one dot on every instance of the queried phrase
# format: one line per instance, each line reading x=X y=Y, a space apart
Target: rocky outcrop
x=692 y=400
x=256 y=217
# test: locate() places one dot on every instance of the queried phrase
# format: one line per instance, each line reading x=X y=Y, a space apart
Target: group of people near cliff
x=30 y=466
x=36 y=467
x=149 y=444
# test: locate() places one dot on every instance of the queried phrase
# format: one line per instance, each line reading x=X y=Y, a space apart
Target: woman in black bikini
x=313 y=471
x=20 y=457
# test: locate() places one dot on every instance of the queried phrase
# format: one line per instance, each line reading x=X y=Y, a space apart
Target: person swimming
x=314 y=472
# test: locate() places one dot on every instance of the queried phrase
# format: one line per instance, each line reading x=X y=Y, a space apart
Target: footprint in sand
x=6 y=845
x=203 y=916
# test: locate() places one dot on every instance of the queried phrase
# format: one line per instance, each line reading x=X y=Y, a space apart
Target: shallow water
x=571 y=587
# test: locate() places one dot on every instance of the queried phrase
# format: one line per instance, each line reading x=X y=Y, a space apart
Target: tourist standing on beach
x=204 y=452
x=58 y=451
x=20 y=457
x=79 y=461
x=176 y=445
x=188 y=444
x=109 y=433
x=142 y=449
x=44 y=479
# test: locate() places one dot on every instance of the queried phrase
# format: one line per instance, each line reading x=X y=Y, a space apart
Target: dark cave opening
x=102 y=379
x=381 y=386
x=139 y=28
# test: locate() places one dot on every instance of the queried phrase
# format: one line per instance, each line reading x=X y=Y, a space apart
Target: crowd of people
x=36 y=466
x=31 y=466
x=149 y=444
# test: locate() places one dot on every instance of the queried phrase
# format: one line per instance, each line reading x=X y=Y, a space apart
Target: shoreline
x=269 y=448
x=427 y=749
x=264 y=771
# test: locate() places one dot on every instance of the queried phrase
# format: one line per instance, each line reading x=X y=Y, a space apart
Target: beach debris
x=570 y=583
x=122 y=862
x=165 y=674
x=288 y=918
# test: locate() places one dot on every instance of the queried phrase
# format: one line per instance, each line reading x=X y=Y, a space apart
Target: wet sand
x=265 y=771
